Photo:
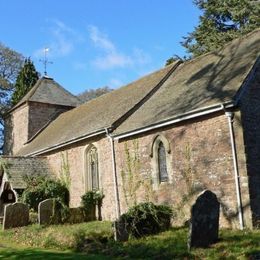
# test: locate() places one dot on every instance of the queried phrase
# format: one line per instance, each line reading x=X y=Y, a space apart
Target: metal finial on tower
x=45 y=61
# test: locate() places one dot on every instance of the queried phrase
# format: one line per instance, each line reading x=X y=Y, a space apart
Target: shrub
x=40 y=188
x=147 y=219
x=33 y=217
x=89 y=201
x=91 y=198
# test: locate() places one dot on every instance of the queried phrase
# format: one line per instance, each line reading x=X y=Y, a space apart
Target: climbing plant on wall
x=132 y=179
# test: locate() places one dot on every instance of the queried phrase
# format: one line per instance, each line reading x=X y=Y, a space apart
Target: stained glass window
x=162 y=165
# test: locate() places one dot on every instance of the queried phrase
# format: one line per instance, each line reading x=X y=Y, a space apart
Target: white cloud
x=112 y=60
x=100 y=40
x=141 y=57
x=111 y=57
x=61 y=42
x=115 y=83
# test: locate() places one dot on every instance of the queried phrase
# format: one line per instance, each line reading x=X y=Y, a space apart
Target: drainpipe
x=112 y=144
x=230 y=116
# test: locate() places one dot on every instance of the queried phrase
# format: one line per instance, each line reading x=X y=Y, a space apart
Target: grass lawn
x=93 y=240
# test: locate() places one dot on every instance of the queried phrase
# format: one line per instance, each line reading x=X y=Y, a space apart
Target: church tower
x=42 y=104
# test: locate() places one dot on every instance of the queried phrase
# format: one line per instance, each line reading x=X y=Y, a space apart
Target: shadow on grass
x=11 y=253
x=161 y=246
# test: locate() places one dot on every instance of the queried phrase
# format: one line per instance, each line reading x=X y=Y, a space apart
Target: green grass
x=94 y=241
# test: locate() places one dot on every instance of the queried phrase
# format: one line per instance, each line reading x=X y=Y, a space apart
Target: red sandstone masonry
x=25 y=121
x=16 y=130
x=76 y=162
x=210 y=160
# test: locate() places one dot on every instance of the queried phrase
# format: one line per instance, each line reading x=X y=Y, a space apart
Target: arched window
x=92 y=173
x=162 y=164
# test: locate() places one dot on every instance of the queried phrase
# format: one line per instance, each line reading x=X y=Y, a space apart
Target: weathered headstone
x=16 y=215
x=76 y=215
x=204 y=222
x=120 y=231
x=46 y=211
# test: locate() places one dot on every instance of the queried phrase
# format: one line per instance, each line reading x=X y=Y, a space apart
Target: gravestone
x=120 y=231
x=46 y=211
x=204 y=222
x=16 y=215
x=76 y=215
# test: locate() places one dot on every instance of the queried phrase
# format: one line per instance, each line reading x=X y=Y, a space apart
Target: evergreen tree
x=221 y=22
x=26 y=79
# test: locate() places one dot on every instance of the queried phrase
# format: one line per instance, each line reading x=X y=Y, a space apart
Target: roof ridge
x=88 y=103
x=34 y=88
x=240 y=37
x=29 y=94
x=175 y=65
x=62 y=88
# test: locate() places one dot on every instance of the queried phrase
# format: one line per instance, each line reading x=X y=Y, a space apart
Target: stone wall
x=74 y=159
x=200 y=158
x=25 y=121
x=250 y=119
x=16 y=130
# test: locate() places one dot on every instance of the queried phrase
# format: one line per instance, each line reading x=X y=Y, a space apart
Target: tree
x=93 y=93
x=174 y=58
x=10 y=65
x=221 y=22
x=26 y=79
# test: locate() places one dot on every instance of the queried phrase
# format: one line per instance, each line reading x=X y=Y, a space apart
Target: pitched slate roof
x=48 y=91
x=204 y=81
x=19 y=167
x=98 y=113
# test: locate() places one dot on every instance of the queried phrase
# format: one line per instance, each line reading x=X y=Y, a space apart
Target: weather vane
x=45 y=61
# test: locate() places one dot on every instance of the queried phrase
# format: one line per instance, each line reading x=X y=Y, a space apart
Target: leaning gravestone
x=46 y=211
x=16 y=215
x=120 y=231
x=204 y=220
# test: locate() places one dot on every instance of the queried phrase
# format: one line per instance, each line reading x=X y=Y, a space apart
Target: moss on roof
x=96 y=114
x=207 y=80
x=204 y=81
x=48 y=91
x=19 y=167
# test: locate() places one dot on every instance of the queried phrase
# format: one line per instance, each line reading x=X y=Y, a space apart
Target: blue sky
x=96 y=43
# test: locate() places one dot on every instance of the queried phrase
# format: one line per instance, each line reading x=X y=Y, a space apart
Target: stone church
x=166 y=137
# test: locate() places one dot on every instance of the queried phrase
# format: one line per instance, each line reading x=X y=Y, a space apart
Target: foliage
x=147 y=219
x=60 y=212
x=91 y=199
x=26 y=79
x=65 y=170
x=175 y=58
x=10 y=65
x=40 y=188
x=131 y=177
x=221 y=22
x=61 y=237
x=93 y=93
x=95 y=240
x=4 y=165
x=33 y=217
